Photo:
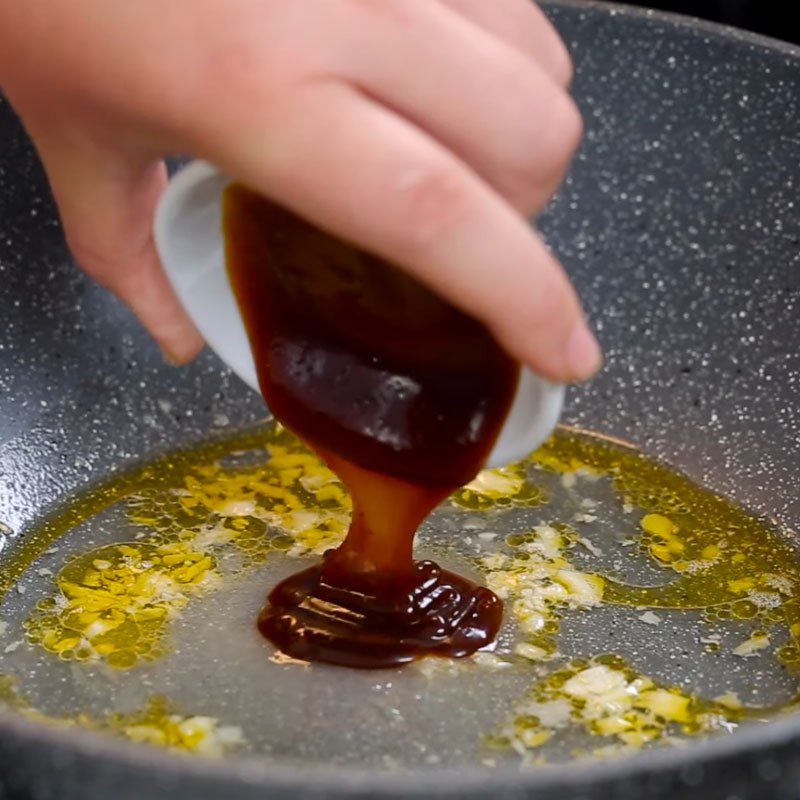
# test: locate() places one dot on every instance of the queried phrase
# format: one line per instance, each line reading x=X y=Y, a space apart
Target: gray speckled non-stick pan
x=680 y=224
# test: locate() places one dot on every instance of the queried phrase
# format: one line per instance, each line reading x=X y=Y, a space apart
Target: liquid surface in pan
x=402 y=396
x=640 y=610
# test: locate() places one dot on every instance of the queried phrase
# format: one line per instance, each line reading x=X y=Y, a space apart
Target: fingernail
x=583 y=353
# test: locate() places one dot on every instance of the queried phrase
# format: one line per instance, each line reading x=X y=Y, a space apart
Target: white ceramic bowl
x=188 y=235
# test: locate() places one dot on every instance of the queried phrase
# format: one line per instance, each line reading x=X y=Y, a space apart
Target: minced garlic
x=536 y=580
x=158 y=724
x=114 y=604
x=503 y=487
x=608 y=700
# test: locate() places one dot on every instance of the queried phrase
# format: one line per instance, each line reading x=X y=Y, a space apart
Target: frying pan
x=680 y=224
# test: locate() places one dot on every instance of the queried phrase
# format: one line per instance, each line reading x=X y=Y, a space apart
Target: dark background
x=770 y=17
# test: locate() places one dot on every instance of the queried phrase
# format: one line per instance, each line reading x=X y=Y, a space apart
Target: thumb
x=107 y=201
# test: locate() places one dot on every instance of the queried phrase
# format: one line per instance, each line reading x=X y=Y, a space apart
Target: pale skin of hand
x=426 y=131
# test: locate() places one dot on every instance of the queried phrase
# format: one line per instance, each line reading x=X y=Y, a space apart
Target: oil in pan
x=641 y=610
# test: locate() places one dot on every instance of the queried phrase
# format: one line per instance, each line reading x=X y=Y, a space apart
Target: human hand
x=423 y=130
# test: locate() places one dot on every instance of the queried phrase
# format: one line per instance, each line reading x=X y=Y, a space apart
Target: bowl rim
x=262 y=772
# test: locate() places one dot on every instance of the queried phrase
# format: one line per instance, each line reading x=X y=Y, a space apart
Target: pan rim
x=685 y=21
x=259 y=771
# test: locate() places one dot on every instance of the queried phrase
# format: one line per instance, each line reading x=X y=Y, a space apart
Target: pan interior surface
x=679 y=224
x=640 y=611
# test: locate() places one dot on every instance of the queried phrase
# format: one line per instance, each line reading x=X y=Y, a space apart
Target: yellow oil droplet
x=658 y=525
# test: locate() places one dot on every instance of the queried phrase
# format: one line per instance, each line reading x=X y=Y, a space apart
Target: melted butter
x=608 y=699
x=728 y=563
x=115 y=604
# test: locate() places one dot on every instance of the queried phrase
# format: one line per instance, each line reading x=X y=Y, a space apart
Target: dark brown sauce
x=403 y=396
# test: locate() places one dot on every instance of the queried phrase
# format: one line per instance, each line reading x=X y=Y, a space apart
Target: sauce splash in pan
x=403 y=396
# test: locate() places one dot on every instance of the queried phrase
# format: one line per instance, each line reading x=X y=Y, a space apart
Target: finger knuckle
x=110 y=269
x=236 y=68
x=524 y=174
x=562 y=135
x=533 y=163
x=242 y=77
x=93 y=260
x=525 y=195
x=572 y=123
x=431 y=203
x=560 y=60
